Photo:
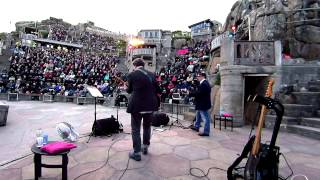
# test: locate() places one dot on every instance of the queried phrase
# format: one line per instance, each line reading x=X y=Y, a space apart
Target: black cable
x=204 y=174
x=288 y=166
x=102 y=164
x=125 y=169
x=15 y=159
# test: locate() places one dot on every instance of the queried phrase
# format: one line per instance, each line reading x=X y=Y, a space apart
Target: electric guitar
x=262 y=163
x=119 y=80
x=251 y=172
x=257 y=141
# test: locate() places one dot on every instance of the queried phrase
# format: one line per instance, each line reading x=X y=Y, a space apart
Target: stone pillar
x=278 y=53
x=231 y=97
x=1 y=46
x=278 y=61
x=231 y=83
x=227 y=52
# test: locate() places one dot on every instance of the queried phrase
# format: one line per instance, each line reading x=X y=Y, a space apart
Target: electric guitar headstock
x=269 y=88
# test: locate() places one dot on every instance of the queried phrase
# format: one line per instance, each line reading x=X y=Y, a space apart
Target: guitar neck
x=257 y=141
x=119 y=79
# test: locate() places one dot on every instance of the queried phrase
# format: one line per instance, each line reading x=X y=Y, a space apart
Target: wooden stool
x=38 y=165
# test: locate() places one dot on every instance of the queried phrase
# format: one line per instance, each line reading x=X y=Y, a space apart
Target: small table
x=38 y=165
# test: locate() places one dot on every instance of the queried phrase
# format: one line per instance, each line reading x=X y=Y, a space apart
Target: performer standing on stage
x=203 y=104
x=143 y=102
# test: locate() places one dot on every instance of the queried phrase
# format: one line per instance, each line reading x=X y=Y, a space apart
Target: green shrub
x=218 y=79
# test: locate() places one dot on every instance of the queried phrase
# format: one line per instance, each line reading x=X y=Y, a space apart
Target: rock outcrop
x=296 y=23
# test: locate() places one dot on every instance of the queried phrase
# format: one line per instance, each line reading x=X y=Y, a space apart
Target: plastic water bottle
x=39 y=132
x=45 y=138
x=39 y=139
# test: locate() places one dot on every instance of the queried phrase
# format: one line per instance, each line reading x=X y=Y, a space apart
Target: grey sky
x=125 y=16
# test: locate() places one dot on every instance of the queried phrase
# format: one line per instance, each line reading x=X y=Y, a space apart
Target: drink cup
x=39 y=141
x=45 y=138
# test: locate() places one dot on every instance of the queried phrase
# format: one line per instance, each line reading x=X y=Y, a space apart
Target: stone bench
x=48 y=98
x=13 y=97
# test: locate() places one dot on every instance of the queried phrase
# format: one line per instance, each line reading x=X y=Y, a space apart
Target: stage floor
x=172 y=152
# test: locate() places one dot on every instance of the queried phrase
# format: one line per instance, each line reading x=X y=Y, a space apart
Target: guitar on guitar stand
x=263 y=160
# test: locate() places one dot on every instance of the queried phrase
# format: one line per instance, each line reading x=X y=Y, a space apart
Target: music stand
x=176 y=98
x=96 y=94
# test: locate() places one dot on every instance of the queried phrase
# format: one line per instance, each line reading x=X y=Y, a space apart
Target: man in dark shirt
x=143 y=102
x=203 y=104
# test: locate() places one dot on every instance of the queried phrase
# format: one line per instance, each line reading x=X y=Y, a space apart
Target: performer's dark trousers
x=135 y=129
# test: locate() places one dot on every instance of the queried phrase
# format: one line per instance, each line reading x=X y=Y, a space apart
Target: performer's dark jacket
x=202 y=96
x=143 y=90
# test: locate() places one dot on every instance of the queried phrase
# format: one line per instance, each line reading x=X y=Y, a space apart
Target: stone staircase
x=302 y=114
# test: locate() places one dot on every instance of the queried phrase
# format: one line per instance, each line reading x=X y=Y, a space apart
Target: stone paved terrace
x=172 y=153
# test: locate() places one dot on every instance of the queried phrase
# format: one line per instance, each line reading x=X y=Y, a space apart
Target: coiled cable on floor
x=202 y=172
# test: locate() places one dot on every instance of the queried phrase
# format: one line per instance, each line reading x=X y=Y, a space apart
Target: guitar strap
x=145 y=73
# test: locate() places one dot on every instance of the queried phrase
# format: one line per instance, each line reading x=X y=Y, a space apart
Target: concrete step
x=311 y=122
x=314 y=85
x=310 y=132
x=299 y=110
x=270 y=120
x=310 y=98
x=189 y=116
x=285 y=119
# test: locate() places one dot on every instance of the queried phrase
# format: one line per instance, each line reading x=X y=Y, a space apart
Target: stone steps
x=285 y=120
x=310 y=132
x=311 y=122
x=308 y=98
x=299 y=110
x=314 y=85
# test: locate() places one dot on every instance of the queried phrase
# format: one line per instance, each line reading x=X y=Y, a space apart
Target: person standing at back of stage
x=143 y=102
x=203 y=104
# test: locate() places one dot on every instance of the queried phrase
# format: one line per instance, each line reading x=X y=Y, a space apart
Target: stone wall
x=299 y=74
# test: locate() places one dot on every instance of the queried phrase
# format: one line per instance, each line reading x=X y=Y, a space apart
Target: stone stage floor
x=171 y=155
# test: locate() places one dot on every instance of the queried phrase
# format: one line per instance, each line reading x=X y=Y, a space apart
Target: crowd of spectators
x=179 y=76
x=43 y=70
x=60 y=70
x=58 y=32
x=96 y=42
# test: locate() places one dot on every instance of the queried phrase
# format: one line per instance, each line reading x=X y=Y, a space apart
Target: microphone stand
x=95 y=120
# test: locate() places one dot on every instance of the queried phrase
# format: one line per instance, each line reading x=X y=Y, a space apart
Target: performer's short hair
x=138 y=62
x=202 y=73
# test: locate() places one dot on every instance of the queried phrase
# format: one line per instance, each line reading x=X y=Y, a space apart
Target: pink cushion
x=227 y=115
x=57 y=147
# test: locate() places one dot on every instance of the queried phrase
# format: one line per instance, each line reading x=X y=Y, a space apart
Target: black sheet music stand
x=176 y=98
x=96 y=94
